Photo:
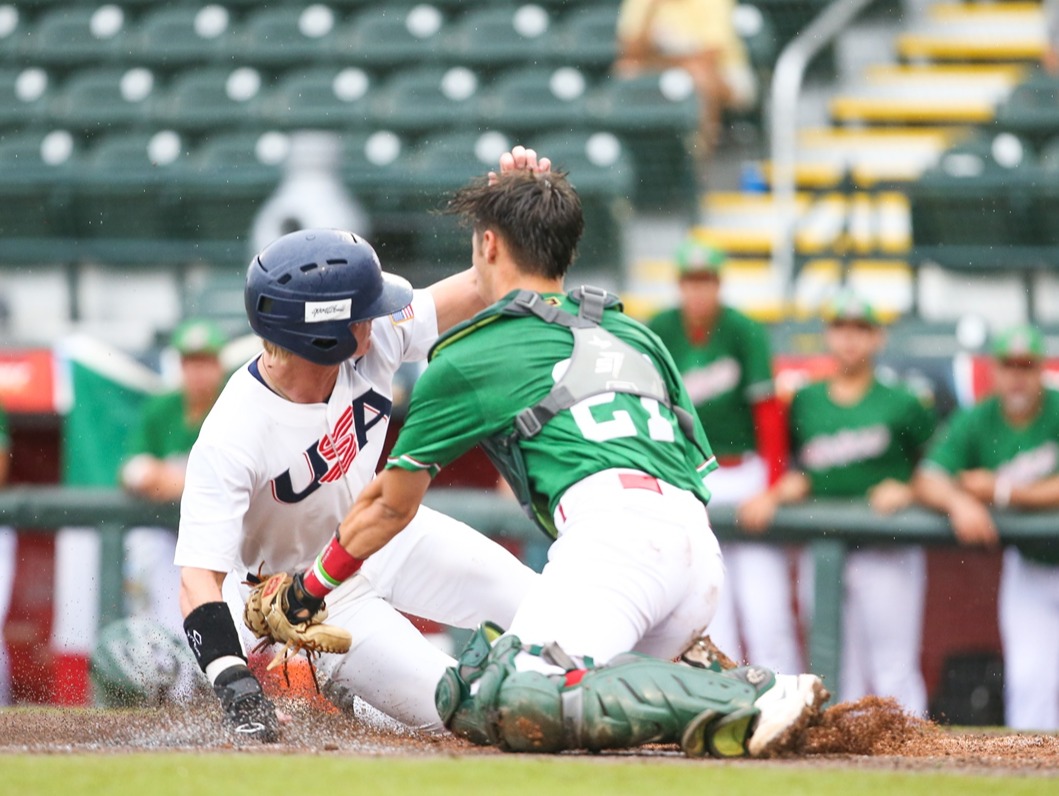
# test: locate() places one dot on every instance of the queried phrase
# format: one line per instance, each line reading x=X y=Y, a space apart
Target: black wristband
x=211 y=633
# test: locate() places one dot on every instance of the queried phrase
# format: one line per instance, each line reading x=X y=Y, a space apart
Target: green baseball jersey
x=724 y=376
x=163 y=430
x=980 y=437
x=483 y=373
x=5 y=436
x=846 y=450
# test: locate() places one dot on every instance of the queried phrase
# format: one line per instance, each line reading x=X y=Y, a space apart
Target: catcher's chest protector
x=631 y=701
x=600 y=363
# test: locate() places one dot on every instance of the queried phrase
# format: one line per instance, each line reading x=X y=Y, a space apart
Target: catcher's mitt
x=266 y=616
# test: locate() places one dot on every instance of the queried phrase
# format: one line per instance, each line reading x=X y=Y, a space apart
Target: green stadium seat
x=173 y=38
x=24 y=96
x=229 y=177
x=99 y=100
x=326 y=97
x=586 y=38
x=37 y=170
x=13 y=29
x=976 y=209
x=496 y=38
x=428 y=98
x=537 y=100
x=656 y=116
x=1032 y=110
x=211 y=99
x=67 y=37
x=286 y=35
x=388 y=37
x=126 y=188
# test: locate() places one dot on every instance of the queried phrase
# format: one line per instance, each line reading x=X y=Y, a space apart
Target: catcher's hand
x=275 y=612
x=247 y=711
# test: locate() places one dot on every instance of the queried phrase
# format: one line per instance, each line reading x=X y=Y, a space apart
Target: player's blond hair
x=274 y=351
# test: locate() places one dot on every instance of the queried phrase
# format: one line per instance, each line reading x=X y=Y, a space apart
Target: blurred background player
x=155 y=468
x=1001 y=453
x=8 y=551
x=726 y=364
x=857 y=435
x=697 y=36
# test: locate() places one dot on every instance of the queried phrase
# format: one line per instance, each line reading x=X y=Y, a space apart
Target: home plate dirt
x=868 y=733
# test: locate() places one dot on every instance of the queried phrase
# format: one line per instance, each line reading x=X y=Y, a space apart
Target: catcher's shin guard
x=631 y=701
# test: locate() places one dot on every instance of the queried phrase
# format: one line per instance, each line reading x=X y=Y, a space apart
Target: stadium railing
x=829 y=527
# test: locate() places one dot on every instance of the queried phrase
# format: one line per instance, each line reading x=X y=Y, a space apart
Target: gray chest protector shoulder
x=600 y=363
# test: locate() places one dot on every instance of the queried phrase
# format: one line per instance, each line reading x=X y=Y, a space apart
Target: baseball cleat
x=793 y=703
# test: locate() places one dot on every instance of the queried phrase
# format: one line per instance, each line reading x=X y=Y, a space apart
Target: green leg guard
x=631 y=701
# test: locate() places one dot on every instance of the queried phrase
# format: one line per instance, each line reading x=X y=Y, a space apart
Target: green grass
x=245 y=774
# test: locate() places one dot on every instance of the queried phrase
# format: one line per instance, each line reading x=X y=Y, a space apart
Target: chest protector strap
x=600 y=363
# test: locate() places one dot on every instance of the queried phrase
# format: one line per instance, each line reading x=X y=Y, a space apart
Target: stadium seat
x=386 y=37
x=428 y=98
x=24 y=96
x=286 y=35
x=655 y=116
x=211 y=99
x=586 y=37
x=494 y=38
x=71 y=36
x=105 y=99
x=173 y=38
x=536 y=100
x=1032 y=110
x=125 y=191
x=13 y=28
x=325 y=97
x=976 y=208
x=228 y=179
x=36 y=172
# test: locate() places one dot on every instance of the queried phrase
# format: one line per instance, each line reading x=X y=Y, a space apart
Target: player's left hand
x=889 y=496
x=981 y=483
x=521 y=159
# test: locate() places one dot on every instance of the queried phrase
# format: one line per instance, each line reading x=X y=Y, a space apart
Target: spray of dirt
x=869 y=726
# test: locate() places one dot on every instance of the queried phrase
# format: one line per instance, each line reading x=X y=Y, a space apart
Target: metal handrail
x=786 y=90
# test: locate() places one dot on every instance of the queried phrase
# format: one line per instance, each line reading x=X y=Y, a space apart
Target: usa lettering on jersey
x=331 y=456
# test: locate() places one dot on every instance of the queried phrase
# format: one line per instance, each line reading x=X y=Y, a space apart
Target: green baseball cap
x=1019 y=342
x=848 y=306
x=198 y=336
x=698 y=256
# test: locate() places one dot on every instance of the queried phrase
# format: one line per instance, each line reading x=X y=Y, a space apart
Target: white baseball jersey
x=269 y=480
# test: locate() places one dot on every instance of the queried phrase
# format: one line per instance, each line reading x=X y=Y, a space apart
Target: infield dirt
x=871 y=732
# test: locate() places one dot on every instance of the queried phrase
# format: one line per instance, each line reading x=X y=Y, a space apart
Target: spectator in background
x=1004 y=452
x=726 y=363
x=8 y=547
x=154 y=469
x=857 y=435
x=694 y=35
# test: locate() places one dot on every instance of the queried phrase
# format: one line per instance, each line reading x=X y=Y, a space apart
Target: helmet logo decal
x=320 y=311
x=330 y=457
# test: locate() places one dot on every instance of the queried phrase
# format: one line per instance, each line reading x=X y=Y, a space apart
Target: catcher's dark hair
x=538 y=215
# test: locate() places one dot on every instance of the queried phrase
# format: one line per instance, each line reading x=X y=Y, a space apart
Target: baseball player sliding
x=584 y=413
x=294 y=437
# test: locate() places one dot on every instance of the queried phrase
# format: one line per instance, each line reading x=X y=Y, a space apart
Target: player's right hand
x=247 y=711
x=971 y=521
x=755 y=515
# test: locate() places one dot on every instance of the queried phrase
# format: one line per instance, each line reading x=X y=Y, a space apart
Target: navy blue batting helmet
x=305 y=289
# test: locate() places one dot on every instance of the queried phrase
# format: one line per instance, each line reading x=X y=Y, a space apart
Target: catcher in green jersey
x=1004 y=452
x=585 y=414
x=725 y=360
x=858 y=435
x=156 y=459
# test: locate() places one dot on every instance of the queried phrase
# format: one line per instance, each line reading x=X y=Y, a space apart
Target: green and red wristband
x=332 y=567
